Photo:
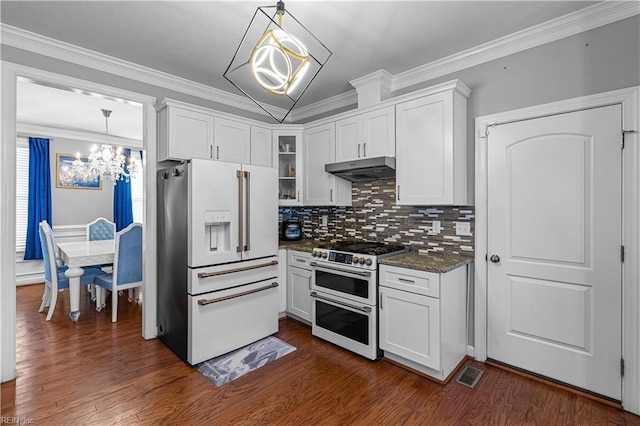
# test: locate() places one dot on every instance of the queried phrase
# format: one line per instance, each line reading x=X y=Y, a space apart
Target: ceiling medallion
x=275 y=62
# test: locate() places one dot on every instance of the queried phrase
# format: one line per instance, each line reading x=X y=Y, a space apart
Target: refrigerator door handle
x=247 y=215
x=239 y=174
x=233 y=271
x=204 y=302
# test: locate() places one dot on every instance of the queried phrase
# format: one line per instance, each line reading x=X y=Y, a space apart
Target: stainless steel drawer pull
x=404 y=280
x=203 y=302
x=301 y=260
x=348 y=305
x=232 y=271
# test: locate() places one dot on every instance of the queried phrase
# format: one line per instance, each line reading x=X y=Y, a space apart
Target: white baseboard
x=471 y=351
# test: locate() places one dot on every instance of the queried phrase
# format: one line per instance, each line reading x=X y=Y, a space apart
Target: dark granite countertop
x=429 y=262
x=300 y=245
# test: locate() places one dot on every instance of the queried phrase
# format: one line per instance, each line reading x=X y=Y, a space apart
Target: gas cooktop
x=363 y=247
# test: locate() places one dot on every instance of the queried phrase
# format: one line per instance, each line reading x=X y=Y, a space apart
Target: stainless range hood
x=364 y=169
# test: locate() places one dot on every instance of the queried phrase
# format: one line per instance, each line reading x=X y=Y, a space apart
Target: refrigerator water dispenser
x=217 y=225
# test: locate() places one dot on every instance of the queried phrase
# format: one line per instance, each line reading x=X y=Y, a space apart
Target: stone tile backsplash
x=375 y=216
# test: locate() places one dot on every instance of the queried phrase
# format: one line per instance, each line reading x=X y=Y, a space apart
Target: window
x=22 y=193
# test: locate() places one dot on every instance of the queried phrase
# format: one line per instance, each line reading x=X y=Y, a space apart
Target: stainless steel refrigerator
x=217 y=257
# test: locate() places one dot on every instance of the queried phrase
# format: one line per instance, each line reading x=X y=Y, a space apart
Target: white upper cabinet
x=262 y=147
x=232 y=141
x=184 y=134
x=431 y=149
x=371 y=134
x=322 y=188
x=288 y=143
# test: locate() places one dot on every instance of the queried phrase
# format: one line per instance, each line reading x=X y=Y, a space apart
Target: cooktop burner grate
x=363 y=247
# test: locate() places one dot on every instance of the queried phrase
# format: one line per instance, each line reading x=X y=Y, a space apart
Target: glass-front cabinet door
x=289 y=144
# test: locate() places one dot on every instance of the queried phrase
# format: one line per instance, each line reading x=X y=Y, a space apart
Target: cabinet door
x=190 y=134
x=379 y=133
x=232 y=140
x=431 y=158
x=261 y=147
x=318 y=150
x=290 y=175
x=410 y=326
x=299 y=293
x=348 y=139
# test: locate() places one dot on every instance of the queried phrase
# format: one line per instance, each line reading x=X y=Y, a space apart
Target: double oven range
x=344 y=291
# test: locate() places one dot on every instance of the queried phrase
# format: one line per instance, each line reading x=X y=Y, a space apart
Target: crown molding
x=327 y=105
x=31 y=129
x=46 y=46
x=565 y=26
x=582 y=20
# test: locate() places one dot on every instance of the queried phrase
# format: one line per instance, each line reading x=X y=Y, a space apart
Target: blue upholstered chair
x=100 y=229
x=127 y=266
x=55 y=279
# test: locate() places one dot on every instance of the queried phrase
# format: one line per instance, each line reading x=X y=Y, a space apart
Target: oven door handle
x=366 y=309
x=344 y=271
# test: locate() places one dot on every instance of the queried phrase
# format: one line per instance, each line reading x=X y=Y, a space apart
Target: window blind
x=137 y=190
x=22 y=193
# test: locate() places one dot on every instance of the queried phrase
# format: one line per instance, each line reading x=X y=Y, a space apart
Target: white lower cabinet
x=282 y=281
x=299 y=285
x=422 y=321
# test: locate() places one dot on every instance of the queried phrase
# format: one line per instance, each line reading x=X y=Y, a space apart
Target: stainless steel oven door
x=345 y=282
x=349 y=325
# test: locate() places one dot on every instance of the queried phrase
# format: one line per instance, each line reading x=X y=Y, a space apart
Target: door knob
x=494 y=258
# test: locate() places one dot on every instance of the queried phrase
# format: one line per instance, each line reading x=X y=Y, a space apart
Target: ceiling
x=197 y=40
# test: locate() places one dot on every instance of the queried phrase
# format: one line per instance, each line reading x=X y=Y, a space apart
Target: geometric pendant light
x=276 y=60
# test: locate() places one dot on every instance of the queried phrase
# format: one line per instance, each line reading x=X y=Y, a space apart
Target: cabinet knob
x=494 y=258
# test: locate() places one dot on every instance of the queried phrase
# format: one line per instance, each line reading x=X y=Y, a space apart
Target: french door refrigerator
x=217 y=257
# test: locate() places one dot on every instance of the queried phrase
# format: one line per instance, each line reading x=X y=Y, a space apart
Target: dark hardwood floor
x=94 y=372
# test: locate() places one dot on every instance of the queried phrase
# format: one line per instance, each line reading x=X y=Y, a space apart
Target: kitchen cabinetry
x=232 y=141
x=184 y=133
x=423 y=318
x=371 y=134
x=299 y=285
x=262 y=147
x=322 y=188
x=431 y=148
x=282 y=281
x=289 y=147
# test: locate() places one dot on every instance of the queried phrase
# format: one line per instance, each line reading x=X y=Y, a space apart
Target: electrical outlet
x=435 y=227
x=324 y=220
x=463 y=228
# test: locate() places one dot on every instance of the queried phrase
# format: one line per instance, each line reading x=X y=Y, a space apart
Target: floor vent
x=469 y=376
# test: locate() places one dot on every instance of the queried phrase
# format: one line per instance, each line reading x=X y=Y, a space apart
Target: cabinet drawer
x=419 y=282
x=300 y=259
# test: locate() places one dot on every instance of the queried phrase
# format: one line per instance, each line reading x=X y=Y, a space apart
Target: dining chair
x=127 y=266
x=100 y=229
x=55 y=279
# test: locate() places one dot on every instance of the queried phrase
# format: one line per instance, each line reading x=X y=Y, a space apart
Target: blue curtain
x=122 y=204
x=39 y=195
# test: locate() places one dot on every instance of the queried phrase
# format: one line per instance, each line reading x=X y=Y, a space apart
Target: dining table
x=78 y=254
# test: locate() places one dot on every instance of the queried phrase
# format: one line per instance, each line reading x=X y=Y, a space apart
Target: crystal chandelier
x=106 y=163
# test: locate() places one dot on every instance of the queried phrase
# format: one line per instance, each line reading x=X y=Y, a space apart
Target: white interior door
x=554 y=222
